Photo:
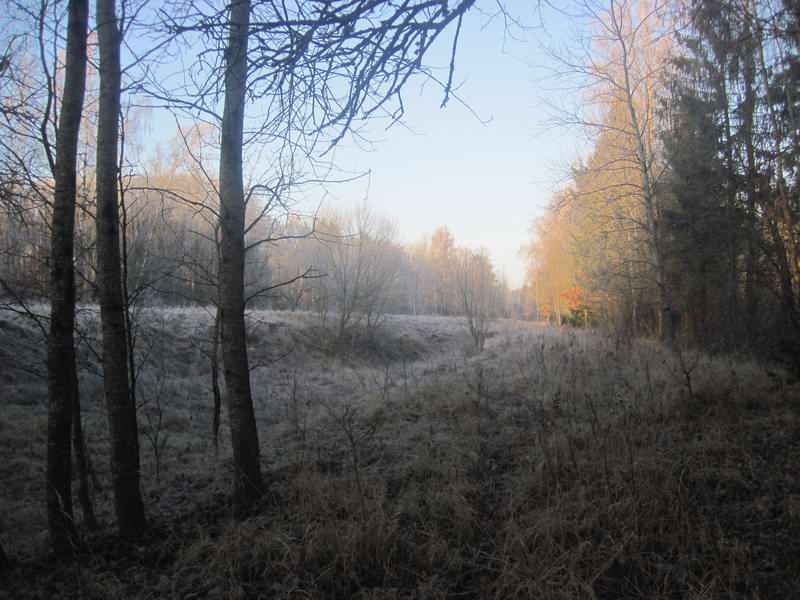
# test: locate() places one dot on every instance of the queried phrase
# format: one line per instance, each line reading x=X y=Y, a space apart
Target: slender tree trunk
x=556 y=303
x=664 y=320
x=244 y=434
x=215 y=332
x=121 y=412
x=665 y=329
x=60 y=347
x=130 y=340
x=81 y=460
x=730 y=234
x=634 y=298
x=751 y=260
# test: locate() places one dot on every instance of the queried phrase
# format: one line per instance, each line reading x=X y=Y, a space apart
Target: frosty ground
x=555 y=463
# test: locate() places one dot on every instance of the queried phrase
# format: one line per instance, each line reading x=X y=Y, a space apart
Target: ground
x=555 y=463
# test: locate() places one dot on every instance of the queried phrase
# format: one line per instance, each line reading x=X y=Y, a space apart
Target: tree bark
x=126 y=297
x=215 y=332
x=60 y=348
x=244 y=434
x=121 y=411
x=81 y=460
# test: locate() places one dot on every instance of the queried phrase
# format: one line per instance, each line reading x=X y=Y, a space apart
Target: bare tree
x=244 y=434
x=38 y=197
x=359 y=254
x=384 y=260
x=442 y=255
x=28 y=109
x=477 y=293
x=314 y=69
x=61 y=369
x=121 y=411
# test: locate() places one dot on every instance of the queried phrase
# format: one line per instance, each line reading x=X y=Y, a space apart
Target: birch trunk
x=241 y=416
x=60 y=347
x=121 y=411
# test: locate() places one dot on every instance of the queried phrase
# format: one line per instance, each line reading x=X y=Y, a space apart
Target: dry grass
x=554 y=464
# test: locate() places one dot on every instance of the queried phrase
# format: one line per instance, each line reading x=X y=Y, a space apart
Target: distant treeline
x=348 y=263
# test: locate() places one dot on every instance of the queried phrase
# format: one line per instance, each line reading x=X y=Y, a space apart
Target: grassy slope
x=554 y=464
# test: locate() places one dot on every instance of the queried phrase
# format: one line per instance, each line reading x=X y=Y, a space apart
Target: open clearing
x=555 y=463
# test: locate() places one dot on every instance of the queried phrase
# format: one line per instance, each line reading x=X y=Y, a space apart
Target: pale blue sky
x=486 y=182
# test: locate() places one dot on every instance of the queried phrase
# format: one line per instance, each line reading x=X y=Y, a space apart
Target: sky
x=482 y=166
x=485 y=177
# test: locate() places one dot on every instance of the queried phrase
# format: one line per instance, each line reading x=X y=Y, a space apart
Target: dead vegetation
x=553 y=464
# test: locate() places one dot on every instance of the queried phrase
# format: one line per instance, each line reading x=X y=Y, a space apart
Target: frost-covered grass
x=554 y=464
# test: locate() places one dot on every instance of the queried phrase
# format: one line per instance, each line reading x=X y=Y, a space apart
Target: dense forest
x=682 y=220
x=250 y=394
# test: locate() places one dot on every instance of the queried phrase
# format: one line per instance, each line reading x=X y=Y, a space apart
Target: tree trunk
x=215 y=376
x=60 y=347
x=244 y=434
x=81 y=460
x=733 y=319
x=126 y=297
x=665 y=329
x=121 y=412
x=751 y=260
